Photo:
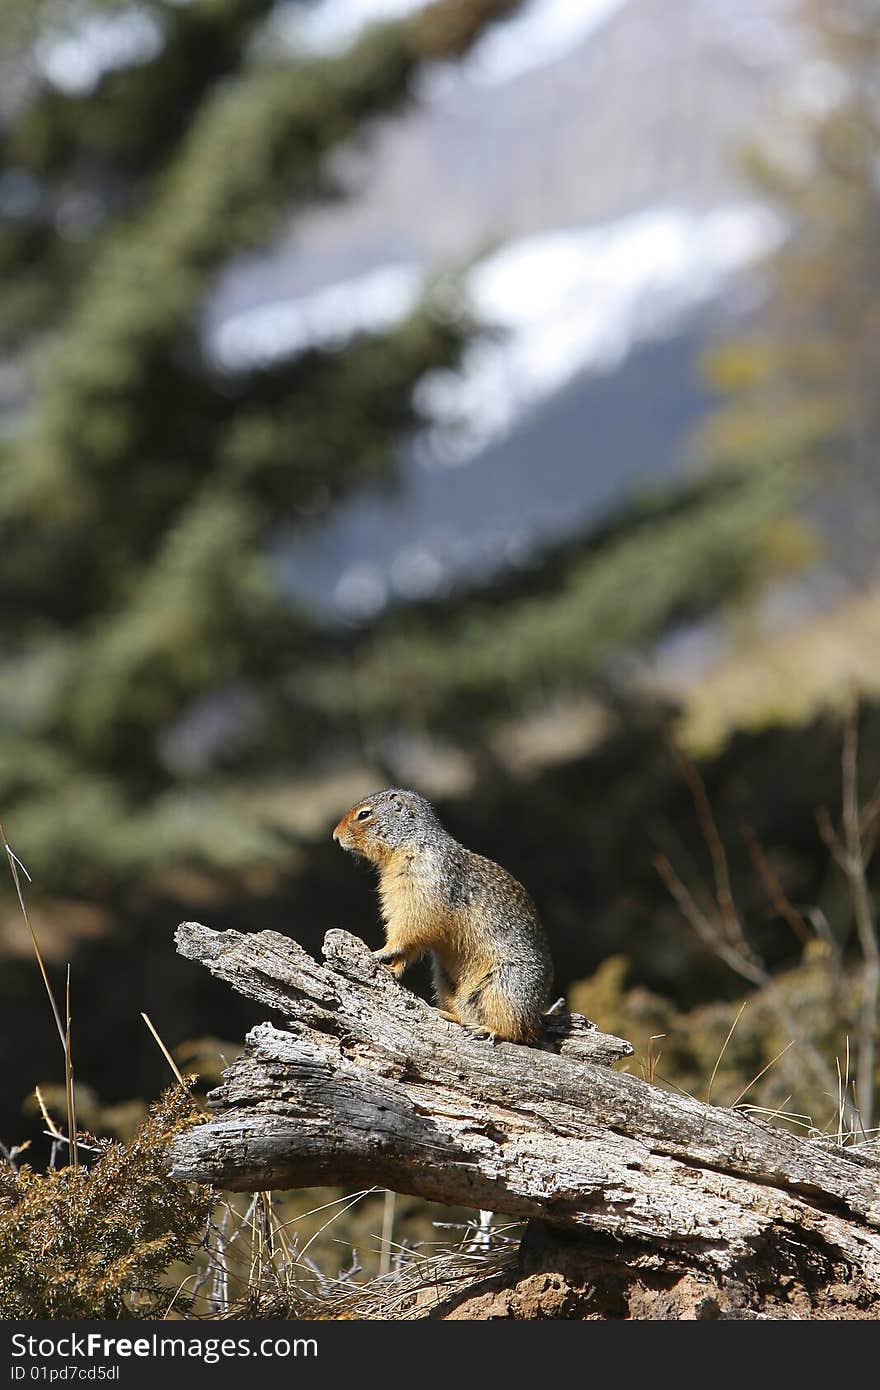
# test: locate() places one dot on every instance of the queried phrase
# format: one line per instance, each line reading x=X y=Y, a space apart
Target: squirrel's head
x=385 y=822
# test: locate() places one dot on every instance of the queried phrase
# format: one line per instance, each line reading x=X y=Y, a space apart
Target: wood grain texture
x=364 y=1083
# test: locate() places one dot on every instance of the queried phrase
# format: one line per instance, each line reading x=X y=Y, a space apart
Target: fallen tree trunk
x=365 y=1083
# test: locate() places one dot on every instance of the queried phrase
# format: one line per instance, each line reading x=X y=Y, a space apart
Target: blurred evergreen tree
x=142 y=489
x=803 y=386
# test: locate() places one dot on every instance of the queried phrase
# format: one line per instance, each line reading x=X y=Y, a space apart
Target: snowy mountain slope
x=647 y=110
x=583 y=163
x=570 y=461
x=564 y=302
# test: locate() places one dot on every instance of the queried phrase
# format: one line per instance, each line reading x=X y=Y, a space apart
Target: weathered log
x=366 y=1083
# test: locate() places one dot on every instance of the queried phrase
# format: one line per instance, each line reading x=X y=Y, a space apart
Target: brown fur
x=491 y=962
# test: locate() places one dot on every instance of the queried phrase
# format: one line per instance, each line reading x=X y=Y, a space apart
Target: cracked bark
x=362 y=1082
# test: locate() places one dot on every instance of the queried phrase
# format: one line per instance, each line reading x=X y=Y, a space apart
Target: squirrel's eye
x=367 y=811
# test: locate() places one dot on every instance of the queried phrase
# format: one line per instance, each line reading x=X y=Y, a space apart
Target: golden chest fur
x=414 y=914
x=410 y=903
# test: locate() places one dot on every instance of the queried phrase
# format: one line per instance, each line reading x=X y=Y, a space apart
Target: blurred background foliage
x=188 y=699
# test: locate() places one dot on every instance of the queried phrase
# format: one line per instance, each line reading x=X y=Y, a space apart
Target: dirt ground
x=566 y=1277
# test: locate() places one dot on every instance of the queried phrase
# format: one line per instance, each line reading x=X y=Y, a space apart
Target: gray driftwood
x=362 y=1082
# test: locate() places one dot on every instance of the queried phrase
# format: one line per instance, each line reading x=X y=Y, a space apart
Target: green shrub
x=97 y=1241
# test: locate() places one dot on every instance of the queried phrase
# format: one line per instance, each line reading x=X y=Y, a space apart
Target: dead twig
x=847 y=847
x=720 y=927
x=63 y=1027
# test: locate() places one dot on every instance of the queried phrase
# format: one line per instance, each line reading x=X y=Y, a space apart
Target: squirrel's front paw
x=395 y=961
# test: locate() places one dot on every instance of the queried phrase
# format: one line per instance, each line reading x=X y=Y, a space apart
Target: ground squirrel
x=491 y=962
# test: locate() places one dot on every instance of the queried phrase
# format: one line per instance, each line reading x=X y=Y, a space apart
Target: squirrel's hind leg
x=451 y=1016
x=498 y=1010
x=475 y=1029
x=446 y=1002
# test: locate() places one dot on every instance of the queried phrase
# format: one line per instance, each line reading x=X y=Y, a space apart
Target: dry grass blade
x=761 y=1073
x=278 y=1233
x=14 y=863
x=270 y=1276
x=387 y=1232
x=649 y=1072
x=422 y=1283
x=47 y=1118
x=68 y=1079
x=345 y=1205
x=793 y=1117
x=854 y=1087
x=165 y=1053
x=723 y=1050
x=63 y=1028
